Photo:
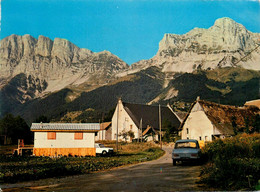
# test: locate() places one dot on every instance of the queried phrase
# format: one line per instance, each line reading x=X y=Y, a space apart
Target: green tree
x=170 y=133
x=14 y=128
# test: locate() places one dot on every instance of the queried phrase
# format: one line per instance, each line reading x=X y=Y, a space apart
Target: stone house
x=54 y=139
x=141 y=119
x=207 y=121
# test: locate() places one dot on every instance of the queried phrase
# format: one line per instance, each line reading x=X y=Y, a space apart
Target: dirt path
x=158 y=175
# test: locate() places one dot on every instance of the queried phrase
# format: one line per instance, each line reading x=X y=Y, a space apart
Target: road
x=158 y=175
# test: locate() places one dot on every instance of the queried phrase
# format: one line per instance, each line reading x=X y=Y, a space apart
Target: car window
x=102 y=146
x=185 y=145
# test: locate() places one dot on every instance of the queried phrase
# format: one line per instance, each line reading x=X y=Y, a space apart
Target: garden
x=16 y=169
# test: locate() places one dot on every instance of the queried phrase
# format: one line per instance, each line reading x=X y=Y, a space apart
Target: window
x=126 y=119
x=187 y=131
x=51 y=135
x=200 y=138
x=206 y=138
x=131 y=127
x=78 y=136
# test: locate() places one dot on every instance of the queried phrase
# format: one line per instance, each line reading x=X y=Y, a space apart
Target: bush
x=233 y=163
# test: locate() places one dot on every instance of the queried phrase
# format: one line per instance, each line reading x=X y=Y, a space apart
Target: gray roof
x=66 y=126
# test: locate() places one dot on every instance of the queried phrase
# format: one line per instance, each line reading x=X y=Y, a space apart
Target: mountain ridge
x=37 y=68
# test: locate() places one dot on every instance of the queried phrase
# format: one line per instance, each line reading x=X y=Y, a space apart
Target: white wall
x=198 y=125
x=63 y=140
x=101 y=135
x=124 y=123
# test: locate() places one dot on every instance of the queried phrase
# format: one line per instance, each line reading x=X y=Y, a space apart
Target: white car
x=186 y=150
x=102 y=150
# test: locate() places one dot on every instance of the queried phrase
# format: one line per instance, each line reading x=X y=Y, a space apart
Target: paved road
x=158 y=175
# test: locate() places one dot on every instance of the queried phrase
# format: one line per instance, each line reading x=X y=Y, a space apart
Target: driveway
x=158 y=175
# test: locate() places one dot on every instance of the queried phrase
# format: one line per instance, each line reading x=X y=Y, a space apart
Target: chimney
x=198 y=98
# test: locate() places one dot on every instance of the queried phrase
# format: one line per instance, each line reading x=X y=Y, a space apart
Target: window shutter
x=78 y=136
x=51 y=135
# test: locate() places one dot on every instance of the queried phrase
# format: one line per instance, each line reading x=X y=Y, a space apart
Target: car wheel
x=173 y=162
x=104 y=153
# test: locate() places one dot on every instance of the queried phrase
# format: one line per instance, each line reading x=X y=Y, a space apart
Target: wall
x=198 y=125
x=63 y=140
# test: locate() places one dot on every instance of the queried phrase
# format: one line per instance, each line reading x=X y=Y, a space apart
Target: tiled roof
x=150 y=115
x=66 y=126
x=105 y=125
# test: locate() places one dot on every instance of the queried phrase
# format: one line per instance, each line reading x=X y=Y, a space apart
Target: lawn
x=16 y=169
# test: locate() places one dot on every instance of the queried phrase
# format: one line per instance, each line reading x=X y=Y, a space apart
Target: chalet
x=207 y=121
x=141 y=120
x=54 y=139
x=105 y=132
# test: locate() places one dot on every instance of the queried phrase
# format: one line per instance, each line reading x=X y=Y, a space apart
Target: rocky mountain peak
x=222 y=45
x=60 y=63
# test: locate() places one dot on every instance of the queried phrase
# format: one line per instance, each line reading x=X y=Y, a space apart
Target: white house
x=54 y=139
x=207 y=121
x=140 y=119
x=105 y=132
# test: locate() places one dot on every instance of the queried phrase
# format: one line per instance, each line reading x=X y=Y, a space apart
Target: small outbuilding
x=105 y=132
x=66 y=139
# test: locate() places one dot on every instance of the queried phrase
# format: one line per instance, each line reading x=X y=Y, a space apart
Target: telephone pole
x=160 y=125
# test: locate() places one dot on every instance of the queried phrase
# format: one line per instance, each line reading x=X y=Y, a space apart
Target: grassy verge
x=15 y=169
x=234 y=163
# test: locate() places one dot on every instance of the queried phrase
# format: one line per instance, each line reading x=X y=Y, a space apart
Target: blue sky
x=130 y=29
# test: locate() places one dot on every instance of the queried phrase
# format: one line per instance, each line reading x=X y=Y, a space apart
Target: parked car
x=186 y=150
x=102 y=150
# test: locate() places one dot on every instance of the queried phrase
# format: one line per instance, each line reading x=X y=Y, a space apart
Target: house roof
x=150 y=115
x=65 y=127
x=105 y=125
x=254 y=103
x=222 y=116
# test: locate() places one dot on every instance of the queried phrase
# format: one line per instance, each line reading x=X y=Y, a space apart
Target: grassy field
x=15 y=169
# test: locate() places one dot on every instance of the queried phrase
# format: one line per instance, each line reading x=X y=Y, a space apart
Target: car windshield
x=186 y=145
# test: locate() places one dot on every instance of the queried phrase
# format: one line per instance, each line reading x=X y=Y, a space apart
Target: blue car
x=186 y=150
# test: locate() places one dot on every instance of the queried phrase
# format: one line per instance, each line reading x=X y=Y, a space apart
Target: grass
x=16 y=169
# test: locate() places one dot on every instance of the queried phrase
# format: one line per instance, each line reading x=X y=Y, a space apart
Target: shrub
x=233 y=162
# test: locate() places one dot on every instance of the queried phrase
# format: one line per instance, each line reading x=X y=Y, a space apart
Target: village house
x=142 y=120
x=207 y=121
x=70 y=139
x=105 y=132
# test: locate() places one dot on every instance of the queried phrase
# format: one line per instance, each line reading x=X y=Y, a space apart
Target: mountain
x=56 y=64
x=227 y=86
x=65 y=82
x=225 y=44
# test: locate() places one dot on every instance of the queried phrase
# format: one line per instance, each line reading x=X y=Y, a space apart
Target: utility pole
x=160 y=125
x=141 y=127
x=117 y=127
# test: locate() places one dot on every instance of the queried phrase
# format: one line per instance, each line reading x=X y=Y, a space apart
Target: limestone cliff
x=225 y=44
x=59 y=63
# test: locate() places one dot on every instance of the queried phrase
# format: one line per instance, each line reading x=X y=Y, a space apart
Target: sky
x=130 y=29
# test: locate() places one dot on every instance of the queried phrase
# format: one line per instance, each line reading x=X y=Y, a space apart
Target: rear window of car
x=185 y=145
